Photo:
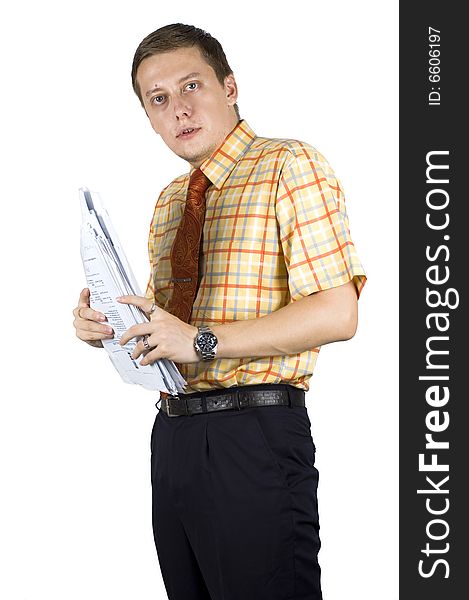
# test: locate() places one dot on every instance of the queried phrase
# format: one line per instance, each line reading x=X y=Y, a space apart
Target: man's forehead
x=173 y=66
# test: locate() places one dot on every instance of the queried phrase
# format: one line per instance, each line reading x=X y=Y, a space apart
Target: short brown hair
x=178 y=35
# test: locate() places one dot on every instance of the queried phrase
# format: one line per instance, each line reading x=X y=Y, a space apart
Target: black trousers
x=235 y=513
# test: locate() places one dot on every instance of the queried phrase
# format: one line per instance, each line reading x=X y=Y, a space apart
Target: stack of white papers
x=108 y=275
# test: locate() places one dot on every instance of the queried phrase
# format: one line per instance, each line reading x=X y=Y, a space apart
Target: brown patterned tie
x=186 y=246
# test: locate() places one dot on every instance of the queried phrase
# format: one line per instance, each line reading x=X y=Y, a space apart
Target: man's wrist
x=205 y=343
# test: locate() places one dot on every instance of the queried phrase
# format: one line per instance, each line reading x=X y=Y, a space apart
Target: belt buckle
x=168 y=410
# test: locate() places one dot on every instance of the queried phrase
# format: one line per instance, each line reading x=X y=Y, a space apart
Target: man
x=241 y=296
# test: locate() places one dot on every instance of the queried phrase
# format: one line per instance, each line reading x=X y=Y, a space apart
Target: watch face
x=206 y=341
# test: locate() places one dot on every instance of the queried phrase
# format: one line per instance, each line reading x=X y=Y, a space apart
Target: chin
x=196 y=157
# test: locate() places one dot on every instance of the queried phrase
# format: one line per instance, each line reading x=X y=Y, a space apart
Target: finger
x=89 y=334
x=85 y=313
x=155 y=312
x=85 y=326
x=84 y=303
x=151 y=357
x=144 y=303
x=134 y=331
x=138 y=350
x=94 y=337
x=84 y=299
x=141 y=349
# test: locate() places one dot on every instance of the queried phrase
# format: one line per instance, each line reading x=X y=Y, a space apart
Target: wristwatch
x=206 y=343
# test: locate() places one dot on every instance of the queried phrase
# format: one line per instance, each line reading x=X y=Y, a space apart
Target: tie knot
x=198 y=183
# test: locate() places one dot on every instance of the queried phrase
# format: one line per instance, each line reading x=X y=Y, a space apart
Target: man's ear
x=231 y=89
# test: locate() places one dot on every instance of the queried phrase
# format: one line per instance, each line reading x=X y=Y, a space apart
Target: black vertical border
x=423 y=129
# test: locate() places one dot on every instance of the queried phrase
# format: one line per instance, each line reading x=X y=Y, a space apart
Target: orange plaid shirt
x=275 y=230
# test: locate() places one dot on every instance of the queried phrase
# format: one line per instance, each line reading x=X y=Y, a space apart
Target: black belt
x=234 y=398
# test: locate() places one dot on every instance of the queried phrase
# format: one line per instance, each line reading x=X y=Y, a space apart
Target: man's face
x=186 y=104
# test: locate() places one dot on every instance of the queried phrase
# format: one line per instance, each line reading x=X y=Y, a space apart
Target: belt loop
x=290 y=397
x=236 y=400
x=186 y=406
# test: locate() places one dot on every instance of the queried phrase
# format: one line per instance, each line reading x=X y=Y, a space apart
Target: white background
x=75 y=518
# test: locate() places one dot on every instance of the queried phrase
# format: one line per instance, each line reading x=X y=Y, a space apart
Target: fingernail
x=101 y=317
x=109 y=330
x=119 y=298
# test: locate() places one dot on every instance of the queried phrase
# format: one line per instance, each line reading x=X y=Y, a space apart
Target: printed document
x=108 y=275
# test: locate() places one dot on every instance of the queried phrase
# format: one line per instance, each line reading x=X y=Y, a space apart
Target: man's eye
x=191 y=86
x=157 y=100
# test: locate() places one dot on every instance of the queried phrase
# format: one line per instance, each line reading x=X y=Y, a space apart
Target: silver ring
x=145 y=342
x=152 y=309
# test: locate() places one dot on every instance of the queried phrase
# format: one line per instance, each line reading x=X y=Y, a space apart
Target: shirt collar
x=219 y=166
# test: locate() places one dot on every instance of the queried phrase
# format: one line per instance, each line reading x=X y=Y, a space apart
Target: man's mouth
x=188 y=131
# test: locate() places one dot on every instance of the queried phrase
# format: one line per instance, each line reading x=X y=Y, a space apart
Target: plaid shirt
x=276 y=230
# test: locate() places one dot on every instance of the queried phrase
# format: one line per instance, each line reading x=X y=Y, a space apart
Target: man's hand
x=89 y=323
x=168 y=336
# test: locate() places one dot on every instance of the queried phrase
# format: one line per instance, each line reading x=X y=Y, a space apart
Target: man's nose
x=181 y=108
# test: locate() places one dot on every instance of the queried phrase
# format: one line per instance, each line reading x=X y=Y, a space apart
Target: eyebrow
x=185 y=78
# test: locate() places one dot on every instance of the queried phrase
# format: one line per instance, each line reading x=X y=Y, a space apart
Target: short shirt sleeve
x=313 y=224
